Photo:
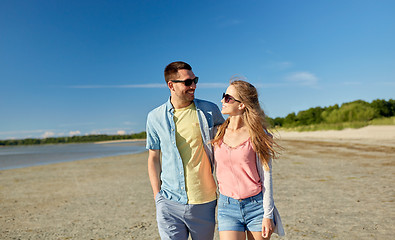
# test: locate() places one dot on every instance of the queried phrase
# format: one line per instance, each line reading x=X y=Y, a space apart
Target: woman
x=243 y=150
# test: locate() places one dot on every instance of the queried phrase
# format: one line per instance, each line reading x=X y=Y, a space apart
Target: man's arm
x=154 y=170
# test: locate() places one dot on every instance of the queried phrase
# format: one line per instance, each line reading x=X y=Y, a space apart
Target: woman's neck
x=236 y=123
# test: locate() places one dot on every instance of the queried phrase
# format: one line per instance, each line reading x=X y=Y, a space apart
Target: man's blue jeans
x=177 y=221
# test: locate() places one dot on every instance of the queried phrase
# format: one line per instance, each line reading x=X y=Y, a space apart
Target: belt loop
x=227 y=200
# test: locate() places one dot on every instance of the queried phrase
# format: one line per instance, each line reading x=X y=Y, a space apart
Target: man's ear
x=170 y=85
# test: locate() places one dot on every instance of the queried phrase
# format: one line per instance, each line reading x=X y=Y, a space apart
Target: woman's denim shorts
x=240 y=215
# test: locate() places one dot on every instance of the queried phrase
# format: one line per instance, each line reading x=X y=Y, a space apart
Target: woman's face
x=232 y=107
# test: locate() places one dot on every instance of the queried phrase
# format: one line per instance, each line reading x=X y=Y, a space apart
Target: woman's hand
x=267 y=228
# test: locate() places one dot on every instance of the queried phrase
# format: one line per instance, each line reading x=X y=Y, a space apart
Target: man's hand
x=154 y=169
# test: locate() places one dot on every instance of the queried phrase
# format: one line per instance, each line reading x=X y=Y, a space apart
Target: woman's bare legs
x=256 y=236
x=232 y=235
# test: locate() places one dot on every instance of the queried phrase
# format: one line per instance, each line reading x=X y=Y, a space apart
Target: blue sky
x=90 y=67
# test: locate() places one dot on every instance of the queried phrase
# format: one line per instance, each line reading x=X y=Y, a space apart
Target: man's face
x=180 y=93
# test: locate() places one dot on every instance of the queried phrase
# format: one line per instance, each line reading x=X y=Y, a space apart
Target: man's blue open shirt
x=161 y=136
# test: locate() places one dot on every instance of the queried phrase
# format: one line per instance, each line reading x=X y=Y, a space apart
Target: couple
x=183 y=152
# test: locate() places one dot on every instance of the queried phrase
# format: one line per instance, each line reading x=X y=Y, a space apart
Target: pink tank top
x=237 y=173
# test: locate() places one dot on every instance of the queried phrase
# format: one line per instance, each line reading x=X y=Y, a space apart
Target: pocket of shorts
x=258 y=201
x=222 y=202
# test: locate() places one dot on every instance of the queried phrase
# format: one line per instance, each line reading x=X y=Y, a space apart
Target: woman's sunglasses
x=187 y=82
x=228 y=98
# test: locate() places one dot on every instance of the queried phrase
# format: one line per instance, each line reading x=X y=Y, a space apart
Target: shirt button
x=182 y=187
x=181 y=173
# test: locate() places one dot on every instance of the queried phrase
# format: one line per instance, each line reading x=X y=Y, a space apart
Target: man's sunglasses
x=228 y=98
x=187 y=82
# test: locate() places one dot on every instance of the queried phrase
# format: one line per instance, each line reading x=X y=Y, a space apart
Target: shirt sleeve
x=153 y=141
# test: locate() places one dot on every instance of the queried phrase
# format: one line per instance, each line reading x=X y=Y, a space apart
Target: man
x=182 y=182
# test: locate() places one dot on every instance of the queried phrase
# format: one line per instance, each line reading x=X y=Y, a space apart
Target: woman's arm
x=268 y=201
x=267 y=188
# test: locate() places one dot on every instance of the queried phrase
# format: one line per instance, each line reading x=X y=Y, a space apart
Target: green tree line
x=356 y=111
x=73 y=139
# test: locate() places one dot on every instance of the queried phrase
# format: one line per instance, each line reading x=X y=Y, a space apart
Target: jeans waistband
x=255 y=198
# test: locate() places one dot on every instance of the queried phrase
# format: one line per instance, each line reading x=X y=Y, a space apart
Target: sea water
x=33 y=155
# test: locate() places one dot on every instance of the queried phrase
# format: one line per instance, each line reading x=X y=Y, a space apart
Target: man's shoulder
x=158 y=110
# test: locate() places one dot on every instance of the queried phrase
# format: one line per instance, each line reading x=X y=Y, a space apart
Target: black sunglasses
x=227 y=98
x=187 y=82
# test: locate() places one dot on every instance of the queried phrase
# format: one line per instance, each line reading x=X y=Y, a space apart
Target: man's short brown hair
x=171 y=70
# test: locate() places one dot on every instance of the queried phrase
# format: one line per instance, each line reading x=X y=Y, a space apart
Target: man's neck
x=179 y=104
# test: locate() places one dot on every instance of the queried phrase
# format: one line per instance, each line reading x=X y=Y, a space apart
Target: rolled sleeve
x=153 y=140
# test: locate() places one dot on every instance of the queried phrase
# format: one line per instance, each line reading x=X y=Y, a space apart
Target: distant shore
x=120 y=141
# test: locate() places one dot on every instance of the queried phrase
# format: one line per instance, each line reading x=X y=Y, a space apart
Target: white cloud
x=121 y=132
x=23 y=132
x=279 y=65
x=94 y=132
x=20 y=134
x=303 y=78
x=269 y=85
x=213 y=85
x=230 y=23
x=153 y=85
x=76 y=124
x=224 y=22
x=284 y=64
x=385 y=83
x=48 y=134
x=352 y=83
x=73 y=133
x=110 y=131
x=162 y=85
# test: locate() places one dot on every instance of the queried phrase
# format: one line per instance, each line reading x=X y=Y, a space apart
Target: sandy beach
x=327 y=185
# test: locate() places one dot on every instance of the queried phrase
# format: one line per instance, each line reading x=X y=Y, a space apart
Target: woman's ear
x=242 y=106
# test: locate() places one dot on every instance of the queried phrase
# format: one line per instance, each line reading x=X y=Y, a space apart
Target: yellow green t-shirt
x=199 y=181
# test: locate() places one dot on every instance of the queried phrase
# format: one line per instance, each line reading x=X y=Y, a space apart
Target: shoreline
x=382 y=132
x=98 y=142
x=25 y=156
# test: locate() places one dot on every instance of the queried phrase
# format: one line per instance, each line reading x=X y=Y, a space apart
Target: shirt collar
x=170 y=107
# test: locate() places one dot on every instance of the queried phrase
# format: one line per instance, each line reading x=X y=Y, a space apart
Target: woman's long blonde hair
x=255 y=119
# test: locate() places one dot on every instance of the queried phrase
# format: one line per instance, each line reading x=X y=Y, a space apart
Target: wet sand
x=325 y=188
